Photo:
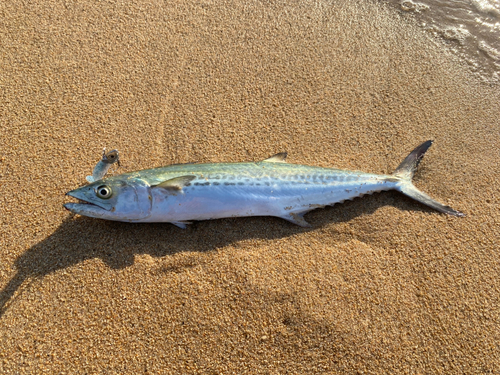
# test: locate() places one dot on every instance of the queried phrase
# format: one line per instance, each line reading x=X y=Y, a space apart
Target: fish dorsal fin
x=189 y=162
x=175 y=184
x=278 y=158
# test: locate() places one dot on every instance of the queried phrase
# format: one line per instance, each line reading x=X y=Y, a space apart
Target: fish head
x=115 y=198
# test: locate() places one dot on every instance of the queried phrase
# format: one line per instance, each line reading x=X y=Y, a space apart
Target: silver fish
x=178 y=194
x=103 y=165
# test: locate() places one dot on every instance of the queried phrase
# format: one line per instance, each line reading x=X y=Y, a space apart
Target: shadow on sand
x=79 y=238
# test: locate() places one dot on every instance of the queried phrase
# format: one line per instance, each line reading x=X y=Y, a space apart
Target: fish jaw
x=87 y=209
x=90 y=207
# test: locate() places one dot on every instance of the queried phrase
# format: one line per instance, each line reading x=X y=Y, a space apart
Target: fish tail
x=405 y=172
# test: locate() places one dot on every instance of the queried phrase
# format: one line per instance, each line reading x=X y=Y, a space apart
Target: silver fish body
x=179 y=194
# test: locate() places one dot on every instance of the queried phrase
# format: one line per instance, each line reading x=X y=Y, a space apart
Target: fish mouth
x=83 y=204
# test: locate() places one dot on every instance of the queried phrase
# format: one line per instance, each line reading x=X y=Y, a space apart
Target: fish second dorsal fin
x=278 y=158
x=175 y=184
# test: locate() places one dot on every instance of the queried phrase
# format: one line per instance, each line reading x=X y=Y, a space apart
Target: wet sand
x=381 y=284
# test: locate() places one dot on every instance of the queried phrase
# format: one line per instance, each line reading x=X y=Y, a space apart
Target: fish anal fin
x=181 y=224
x=278 y=158
x=297 y=218
x=175 y=184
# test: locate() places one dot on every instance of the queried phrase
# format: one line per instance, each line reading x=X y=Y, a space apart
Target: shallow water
x=470 y=28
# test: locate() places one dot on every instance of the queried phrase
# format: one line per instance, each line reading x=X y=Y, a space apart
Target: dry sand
x=378 y=285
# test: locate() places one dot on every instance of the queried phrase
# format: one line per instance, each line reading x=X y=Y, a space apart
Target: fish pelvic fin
x=405 y=172
x=181 y=224
x=297 y=219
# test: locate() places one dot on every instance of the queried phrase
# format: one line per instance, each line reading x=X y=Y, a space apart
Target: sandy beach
x=381 y=284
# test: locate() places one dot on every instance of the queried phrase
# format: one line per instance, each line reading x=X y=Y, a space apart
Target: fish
x=103 y=165
x=181 y=193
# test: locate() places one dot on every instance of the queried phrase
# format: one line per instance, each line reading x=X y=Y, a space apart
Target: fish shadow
x=79 y=239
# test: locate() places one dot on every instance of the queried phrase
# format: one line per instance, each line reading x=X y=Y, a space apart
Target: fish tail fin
x=405 y=172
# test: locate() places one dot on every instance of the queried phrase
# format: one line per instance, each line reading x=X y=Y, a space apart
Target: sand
x=381 y=284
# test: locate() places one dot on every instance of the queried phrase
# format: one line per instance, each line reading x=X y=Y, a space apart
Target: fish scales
x=261 y=183
x=257 y=189
x=181 y=193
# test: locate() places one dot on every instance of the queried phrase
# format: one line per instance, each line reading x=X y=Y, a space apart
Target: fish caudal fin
x=405 y=171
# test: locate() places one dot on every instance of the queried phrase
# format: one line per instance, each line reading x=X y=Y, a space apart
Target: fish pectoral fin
x=297 y=218
x=181 y=224
x=278 y=158
x=175 y=184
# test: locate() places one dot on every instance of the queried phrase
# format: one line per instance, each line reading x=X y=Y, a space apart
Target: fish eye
x=104 y=192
